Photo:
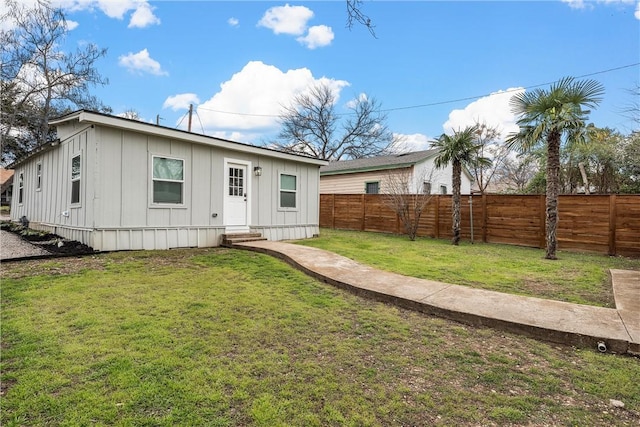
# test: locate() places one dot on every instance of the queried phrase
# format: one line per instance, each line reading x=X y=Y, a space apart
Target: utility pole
x=158 y=119
x=190 y=114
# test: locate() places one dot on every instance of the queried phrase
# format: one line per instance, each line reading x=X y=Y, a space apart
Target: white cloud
x=181 y=101
x=586 y=4
x=233 y=22
x=575 y=4
x=71 y=25
x=286 y=19
x=412 y=142
x=494 y=110
x=143 y=17
x=141 y=63
x=318 y=36
x=255 y=95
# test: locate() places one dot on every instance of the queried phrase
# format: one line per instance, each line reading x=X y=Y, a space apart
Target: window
x=288 y=190
x=75 y=179
x=426 y=187
x=20 y=187
x=372 y=187
x=236 y=182
x=443 y=189
x=168 y=180
x=38 y=176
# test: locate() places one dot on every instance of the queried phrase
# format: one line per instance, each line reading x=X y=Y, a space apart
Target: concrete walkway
x=606 y=329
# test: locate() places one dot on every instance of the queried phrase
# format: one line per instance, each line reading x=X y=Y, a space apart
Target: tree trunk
x=455 y=201
x=553 y=176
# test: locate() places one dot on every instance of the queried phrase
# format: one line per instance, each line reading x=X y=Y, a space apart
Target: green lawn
x=225 y=338
x=575 y=277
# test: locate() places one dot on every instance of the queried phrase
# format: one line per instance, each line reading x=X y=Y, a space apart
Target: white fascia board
x=136 y=126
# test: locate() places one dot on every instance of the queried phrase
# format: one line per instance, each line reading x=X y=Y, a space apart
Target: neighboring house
x=6 y=181
x=119 y=184
x=372 y=175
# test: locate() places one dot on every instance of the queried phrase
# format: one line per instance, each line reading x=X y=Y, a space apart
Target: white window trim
x=280 y=190
x=39 y=176
x=424 y=184
x=20 y=188
x=446 y=189
x=153 y=204
x=79 y=178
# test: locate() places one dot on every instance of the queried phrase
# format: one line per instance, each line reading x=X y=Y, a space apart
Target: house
x=119 y=184
x=375 y=175
x=6 y=182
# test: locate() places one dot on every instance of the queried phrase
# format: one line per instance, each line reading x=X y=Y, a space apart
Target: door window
x=236 y=182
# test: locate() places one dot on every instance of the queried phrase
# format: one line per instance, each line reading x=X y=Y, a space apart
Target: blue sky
x=237 y=62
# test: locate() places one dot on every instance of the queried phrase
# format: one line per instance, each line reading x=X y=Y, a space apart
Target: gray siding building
x=119 y=184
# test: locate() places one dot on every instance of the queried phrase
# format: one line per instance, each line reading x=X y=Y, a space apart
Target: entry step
x=232 y=238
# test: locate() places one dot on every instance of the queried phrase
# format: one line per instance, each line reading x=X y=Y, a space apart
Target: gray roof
x=394 y=161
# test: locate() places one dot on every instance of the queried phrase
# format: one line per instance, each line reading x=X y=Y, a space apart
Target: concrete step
x=229 y=240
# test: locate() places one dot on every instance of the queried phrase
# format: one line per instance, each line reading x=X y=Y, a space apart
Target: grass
x=579 y=278
x=223 y=338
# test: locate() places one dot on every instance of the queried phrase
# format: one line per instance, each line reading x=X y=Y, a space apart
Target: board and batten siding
x=49 y=208
x=125 y=189
x=274 y=222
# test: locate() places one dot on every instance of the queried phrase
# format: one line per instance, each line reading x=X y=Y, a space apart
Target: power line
x=507 y=91
x=180 y=122
x=432 y=104
x=198 y=116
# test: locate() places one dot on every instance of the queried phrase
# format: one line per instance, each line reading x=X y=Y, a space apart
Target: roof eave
x=133 y=125
x=367 y=169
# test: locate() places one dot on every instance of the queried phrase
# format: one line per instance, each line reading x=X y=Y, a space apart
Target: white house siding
x=115 y=211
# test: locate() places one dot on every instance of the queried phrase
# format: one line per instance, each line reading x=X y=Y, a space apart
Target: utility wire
x=468 y=98
x=180 y=122
x=198 y=116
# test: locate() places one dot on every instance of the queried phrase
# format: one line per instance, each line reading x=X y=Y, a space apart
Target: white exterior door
x=236 y=199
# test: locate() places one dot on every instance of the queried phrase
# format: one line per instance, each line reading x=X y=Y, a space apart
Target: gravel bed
x=13 y=246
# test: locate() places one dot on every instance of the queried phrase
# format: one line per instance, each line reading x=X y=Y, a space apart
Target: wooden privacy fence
x=607 y=224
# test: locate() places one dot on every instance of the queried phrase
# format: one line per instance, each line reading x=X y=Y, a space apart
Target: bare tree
x=355 y=15
x=486 y=139
x=311 y=126
x=632 y=109
x=409 y=207
x=44 y=80
x=514 y=173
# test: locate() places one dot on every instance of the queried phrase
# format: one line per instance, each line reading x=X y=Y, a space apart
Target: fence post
x=484 y=218
x=364 y=213
x=333 y=211
x=612 y=224
x=436 y=219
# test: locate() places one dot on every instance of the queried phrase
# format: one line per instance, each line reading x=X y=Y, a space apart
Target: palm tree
x=545 y=117
x=459 y=149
